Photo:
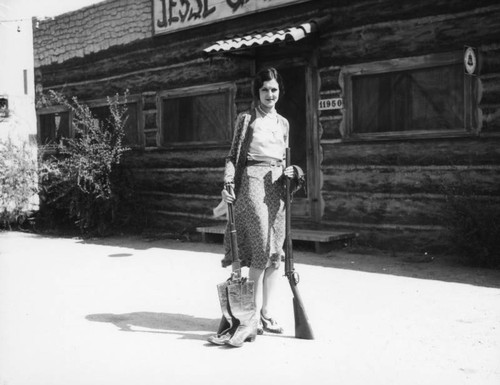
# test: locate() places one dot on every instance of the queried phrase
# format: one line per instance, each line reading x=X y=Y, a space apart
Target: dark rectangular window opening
x=198 y=118
x=423 y=99
x=103 y=115
x=25 y=78
x=54 y=127
x=4 y=107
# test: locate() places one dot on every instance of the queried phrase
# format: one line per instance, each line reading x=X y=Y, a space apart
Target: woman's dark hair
x=264 y=76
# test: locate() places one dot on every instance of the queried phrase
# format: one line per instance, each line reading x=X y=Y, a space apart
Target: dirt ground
x=130 y=310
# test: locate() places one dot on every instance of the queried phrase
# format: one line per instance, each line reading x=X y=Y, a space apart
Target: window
x=197 y=115
x=55 y=122
x=25 y=81
x=4 y=107
x=133 y=128
x=411 y=96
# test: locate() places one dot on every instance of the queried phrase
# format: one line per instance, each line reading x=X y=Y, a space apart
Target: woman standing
x=255 y=166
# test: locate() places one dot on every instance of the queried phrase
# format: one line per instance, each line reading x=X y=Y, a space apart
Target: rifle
x=302 y=327
x=236 y=265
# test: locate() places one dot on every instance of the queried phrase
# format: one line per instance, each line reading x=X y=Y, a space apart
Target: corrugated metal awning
x=261 y=38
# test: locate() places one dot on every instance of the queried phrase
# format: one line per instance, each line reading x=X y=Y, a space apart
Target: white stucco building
x=17 y=105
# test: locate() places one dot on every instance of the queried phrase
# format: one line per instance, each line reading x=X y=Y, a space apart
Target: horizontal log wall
x=179 y=188
x=405 y=186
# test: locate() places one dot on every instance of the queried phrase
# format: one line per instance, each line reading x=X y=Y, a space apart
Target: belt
x=265 y=163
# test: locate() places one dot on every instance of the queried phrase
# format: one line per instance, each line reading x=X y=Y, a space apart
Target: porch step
x=323 y=240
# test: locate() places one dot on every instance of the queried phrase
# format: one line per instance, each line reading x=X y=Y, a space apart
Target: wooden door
x=293 y=106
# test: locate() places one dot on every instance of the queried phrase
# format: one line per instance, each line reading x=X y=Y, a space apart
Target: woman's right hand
x=227 y=196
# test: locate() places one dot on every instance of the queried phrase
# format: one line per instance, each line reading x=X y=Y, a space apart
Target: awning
x=262 y=38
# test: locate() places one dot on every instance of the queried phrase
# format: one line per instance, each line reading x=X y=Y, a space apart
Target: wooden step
x=324 y=240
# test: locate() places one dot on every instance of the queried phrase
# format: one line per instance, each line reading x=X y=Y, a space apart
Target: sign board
x=174 y=15
x=470 y=60
x=331 y=104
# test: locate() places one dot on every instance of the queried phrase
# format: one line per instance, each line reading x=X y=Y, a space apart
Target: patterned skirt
x=259 y=213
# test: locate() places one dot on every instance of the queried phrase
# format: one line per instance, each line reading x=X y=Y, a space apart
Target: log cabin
x=390 y=103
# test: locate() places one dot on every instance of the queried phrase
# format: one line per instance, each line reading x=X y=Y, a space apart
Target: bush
x=18 y=182
x=474 y=226
x=81 y=181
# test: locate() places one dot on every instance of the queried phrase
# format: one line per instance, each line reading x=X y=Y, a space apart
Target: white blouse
x=270 y=138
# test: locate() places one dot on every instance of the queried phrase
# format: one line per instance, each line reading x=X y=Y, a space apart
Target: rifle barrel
x=288 y=221
x=302 y=326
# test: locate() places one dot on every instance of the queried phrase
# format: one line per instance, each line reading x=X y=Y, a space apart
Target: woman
x=255 y=167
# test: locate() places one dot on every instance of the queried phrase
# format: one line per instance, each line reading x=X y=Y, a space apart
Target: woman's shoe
x=260 y=328
x=244 y=333
x=270 y=325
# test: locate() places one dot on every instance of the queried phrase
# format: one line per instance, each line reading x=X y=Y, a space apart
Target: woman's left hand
x=289 y=172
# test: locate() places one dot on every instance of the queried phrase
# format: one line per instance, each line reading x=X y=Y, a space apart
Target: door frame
x=309 y=208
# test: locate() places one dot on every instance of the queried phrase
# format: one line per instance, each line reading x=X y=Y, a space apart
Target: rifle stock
x=303 y=328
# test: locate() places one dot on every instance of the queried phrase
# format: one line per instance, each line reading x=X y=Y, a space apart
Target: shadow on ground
x=442 y=268
x=168 y=323
x=439 y=267
x=433 y=267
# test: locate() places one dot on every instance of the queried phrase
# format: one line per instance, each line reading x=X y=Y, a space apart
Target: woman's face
x=269 y=93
